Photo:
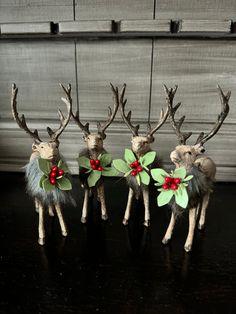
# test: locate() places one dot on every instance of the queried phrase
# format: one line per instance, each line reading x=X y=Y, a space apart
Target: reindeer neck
x=94 y=153
x=140 y=154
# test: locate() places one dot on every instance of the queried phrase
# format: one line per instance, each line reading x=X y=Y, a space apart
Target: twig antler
x=111 y=114
x=170 y=94
x=63 y=120
x=224 y=98
x=21 y=120
x=127 y=118
x=162 y=119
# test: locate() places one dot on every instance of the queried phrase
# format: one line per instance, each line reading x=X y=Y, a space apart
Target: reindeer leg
x=128 y=207
x=85 y=206
x=36 y=203
x=192 y=224
x=205 y=202
x=101 y=195
x=61 y=219
x=51 y=210
x=169 y=230
x=41 y=230
x=146 y=206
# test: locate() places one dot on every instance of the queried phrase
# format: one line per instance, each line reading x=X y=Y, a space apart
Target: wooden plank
x=25 y=28
x=37 y=68
x=196 y=10
x=116 y=61
x=144 y=26
x=12 y=11
x=85 y=27
x=206 y=26
x=113 y=9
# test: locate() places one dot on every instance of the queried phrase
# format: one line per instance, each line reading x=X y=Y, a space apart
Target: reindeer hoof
x=64 y=233
x=37 y=210
x=41 y=241
x=201 y=226
x=51 y=214
x=146 y=223
x=165 y=241
x=83 y=220
x=104 y=217
x=125 y=222
x=188 y=248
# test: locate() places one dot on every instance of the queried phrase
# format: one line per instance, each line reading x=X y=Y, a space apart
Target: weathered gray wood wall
x=189 y=43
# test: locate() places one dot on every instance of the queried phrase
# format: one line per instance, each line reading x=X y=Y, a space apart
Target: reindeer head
x=94 y=141
x=46 y=150
x=185 y=155
x=140 y=144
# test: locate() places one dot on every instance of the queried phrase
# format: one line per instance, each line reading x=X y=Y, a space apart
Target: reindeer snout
x=174 y=156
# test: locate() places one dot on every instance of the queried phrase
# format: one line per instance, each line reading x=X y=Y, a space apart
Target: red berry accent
x=177 y=180
x=53 y=181
x=92 y=162
x=53 y=174
x=174 y=186
x=166 y=186
x=139 y=169
x=134 y=173
x=132 y=166
x=54 y=169
x=94 y=167
x=97 y=162
x=168 y=180
x=99 y=168
x=136 y=163
x=61 y=172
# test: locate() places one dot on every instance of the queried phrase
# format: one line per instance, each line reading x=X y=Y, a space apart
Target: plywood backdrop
x=91 y=63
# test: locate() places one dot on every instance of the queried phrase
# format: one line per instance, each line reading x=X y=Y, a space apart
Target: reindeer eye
x=189 y=153
x=41 y=147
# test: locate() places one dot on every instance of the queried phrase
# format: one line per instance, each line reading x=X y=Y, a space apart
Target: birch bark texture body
x=140 y=145
x=202 y=167
x=53 y=198
x=93 y=152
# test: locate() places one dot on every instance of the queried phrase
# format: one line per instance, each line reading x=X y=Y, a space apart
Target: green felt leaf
x=109 y=172
x=84 y=162
x=44 y=165
x=181 y=196
x=179 y=173
x=61 y=165
x=64 y=184
x=148 y=158
x=105 y=160
x=41 y=180
x=127 y=173
x=145 y=178
x=121 y=165
x=47 y=186
x=188 y=178
x=164 y=197
x=138 y=179
x=94 y=177
x=159 y=175
x=129 y=156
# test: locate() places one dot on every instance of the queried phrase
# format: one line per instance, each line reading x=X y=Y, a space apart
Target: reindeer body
x=50 y=152
x=94 y=148
x=140 y=146
x=200 y=166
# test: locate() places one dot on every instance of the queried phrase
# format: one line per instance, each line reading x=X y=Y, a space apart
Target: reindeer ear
x=151 y=139
x=34 y=147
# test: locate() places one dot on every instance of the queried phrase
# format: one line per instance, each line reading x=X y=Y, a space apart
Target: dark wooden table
x=104 y=267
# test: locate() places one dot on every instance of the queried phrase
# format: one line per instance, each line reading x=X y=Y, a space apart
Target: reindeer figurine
x=93 y=151
x=200 y=166
x=140 y=146
x=46 y=151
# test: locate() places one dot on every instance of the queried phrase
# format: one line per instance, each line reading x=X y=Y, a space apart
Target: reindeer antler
x=21 y=120
x=170 y=94
x=63 y=120
x=224 y=98
x=127 y=118
x=162 y=119
x=111 y=114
